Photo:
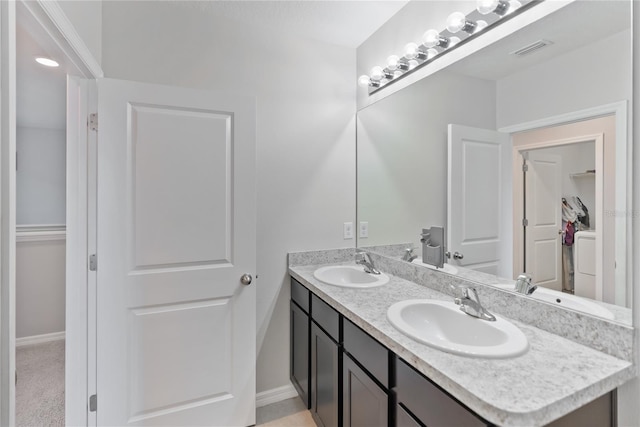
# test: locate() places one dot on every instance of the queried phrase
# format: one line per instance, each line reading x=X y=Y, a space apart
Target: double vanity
x=400 y=349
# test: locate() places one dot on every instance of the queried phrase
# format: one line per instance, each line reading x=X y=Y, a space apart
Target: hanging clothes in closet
x=569 y=221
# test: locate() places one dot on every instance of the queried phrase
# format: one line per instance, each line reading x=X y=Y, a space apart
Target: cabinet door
x=300 y=352
x=324 y=378
x=365 y=404
x=404 y=418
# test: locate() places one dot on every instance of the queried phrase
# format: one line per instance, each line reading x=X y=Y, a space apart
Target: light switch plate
x=364 y=229
x=347 y=230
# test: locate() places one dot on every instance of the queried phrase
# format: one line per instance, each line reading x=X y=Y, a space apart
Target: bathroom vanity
x=351 y=367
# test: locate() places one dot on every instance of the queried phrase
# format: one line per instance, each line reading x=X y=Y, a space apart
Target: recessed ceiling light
x=46 y=62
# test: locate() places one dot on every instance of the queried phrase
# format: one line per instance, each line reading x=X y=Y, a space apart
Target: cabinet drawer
x=300 y=295
x=428 y=403
x=326 y=317
x=367 y=351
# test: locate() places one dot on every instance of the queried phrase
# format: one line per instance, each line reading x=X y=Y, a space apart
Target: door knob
x=457 y=255
x=246 y=279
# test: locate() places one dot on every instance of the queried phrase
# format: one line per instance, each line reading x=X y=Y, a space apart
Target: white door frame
x=49 y=17
x=518 y=196
x=623 y=197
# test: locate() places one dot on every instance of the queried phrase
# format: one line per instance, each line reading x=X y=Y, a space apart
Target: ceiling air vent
x=531 y=47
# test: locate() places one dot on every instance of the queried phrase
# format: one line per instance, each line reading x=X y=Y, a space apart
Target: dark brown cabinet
x=299 y=357
x=365 y=404
x=325 y=369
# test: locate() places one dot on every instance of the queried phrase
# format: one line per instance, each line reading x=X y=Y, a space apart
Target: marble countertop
x=555 y=377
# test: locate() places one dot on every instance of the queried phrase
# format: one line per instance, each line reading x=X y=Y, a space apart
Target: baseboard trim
x=275 y=395
x=39 y=339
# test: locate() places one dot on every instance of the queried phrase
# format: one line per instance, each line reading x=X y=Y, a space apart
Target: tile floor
x=288 y=413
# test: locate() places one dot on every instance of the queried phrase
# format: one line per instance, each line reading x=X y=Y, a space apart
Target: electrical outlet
x=364 y=229
x=347 y=230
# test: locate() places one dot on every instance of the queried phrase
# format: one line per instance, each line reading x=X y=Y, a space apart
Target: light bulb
x=364 y=81
x=499 y=7
x=47 y=62
x=432 y=38
x=481 y=25
x=392 y=62
x=411 y=50
x=412 y=64
x=454 y=41
x=431 y=53
x=456 y=21
x=376 y=73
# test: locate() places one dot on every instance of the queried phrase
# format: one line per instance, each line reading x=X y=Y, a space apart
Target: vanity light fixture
x=47 y=62
x=435 y=44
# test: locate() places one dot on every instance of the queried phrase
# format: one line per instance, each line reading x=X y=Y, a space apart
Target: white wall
x=41 y=176
x=306 y=132
x=86 y=17
x=594 y=75
x=40 y=287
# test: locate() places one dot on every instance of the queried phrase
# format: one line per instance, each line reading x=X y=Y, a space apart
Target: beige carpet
x=40 y=387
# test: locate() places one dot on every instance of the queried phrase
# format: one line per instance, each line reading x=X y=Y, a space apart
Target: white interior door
x=543 y=212
x=176 y=231
x=479 y=199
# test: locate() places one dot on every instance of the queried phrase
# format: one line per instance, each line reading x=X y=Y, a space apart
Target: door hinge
x=525 y=222
x=93 y=121
x=93 y=262
x=93 y=403
x=525 y=167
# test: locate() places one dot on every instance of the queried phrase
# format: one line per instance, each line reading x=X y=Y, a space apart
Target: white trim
x=53 y=20
x=39 y=339
x=275 y=395
x=8 y=211
x=40 y=233
x=574 y=116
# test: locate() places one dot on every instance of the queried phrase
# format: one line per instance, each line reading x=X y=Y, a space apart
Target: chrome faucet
x=364 y=259
x=409 y=255
x=470 y=304
x=524 y=284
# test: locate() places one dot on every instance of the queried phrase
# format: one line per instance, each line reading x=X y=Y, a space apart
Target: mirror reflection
x=523 y=159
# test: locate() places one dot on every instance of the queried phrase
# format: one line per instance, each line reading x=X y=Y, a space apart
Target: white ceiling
x=340 y=22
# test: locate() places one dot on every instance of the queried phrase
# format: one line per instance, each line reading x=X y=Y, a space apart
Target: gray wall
x=40 y=287
x=41 y=176
x=305 y=132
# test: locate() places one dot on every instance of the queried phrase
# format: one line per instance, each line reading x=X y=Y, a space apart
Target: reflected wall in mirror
x=542 y=104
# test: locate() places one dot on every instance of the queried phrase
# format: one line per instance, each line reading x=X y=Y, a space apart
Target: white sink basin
x=566 y=300
x=448 y=268
x=442 y=325
x=349 y=276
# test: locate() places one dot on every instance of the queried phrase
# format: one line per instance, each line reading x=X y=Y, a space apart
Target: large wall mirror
x=521 y=151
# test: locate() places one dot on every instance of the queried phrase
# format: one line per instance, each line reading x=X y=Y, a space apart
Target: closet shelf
x=583 y=174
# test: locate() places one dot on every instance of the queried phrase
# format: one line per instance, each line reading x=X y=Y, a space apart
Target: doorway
x=559 y=201
x=582 y=177
x=40 y=232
